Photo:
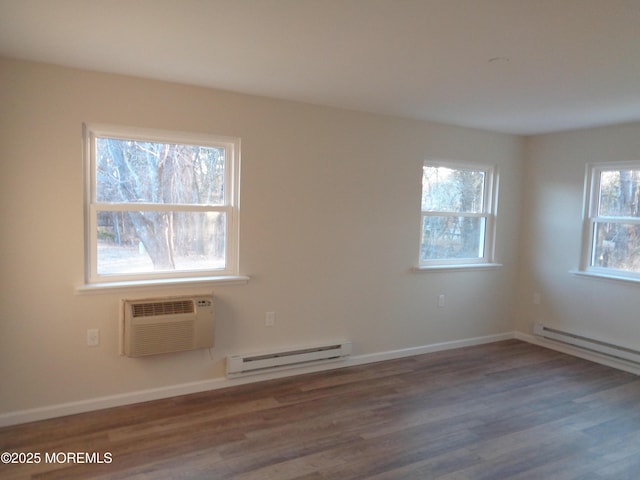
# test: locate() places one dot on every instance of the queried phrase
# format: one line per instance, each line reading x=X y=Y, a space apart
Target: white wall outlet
x=270 y=319
x=441 y=301
x=537 y=298
x=93 y=337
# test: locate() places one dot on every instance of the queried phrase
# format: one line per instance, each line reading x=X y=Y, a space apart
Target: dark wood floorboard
x=507 y=410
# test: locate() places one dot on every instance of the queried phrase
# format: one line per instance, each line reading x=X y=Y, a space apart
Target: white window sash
x=592 y=219
x=487 y=235
x=92 y=206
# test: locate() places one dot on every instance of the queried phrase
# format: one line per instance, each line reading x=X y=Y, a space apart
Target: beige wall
x=552 y=232
x=329 y=232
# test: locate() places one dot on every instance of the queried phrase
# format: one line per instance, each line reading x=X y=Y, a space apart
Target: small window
x=160 y=205
x=457 y=214
x=612 y=220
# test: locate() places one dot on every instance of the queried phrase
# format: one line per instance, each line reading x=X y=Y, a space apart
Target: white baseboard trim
x=82 y=406
x=434 y=347
x=99 y=403
x=618 y=364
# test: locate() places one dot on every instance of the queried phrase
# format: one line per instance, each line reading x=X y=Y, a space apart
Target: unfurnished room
x=320 y=239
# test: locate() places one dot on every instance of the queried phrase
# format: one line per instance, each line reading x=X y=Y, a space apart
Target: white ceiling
x=560 y=64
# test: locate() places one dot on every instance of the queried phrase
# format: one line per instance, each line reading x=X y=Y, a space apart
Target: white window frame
x=230 y=207
x=489 y=213
x=591 y=218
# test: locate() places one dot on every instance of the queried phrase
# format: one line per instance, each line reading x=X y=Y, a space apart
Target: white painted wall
x=329 y=232
x=552 y=231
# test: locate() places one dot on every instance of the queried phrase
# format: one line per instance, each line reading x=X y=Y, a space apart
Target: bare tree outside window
x=616 y=224
x=159 y=206
x=455 y=212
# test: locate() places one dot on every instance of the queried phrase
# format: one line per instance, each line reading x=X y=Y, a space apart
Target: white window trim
x=145 y=285
x=229 y=275
x=607 y=277
x=591 y=218
x=489 y=213
x=462 y=267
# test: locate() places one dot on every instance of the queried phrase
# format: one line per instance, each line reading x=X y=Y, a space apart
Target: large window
x=612 y=220
x=160 y=205
x=458 y=208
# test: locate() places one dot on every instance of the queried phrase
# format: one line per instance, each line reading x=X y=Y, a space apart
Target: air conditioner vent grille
x=163 y=337
x=152 y=309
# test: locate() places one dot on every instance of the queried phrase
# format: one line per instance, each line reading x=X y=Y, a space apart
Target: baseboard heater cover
x=238 y=365
x=591 y=344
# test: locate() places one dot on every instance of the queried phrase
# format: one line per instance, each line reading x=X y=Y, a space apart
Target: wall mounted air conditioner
x=170 y=324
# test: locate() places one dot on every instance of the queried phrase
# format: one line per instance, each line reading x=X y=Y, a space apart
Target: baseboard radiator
x=238 y=365
x=585 y=343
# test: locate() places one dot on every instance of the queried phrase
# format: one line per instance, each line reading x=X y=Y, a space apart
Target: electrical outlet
x=270 y=319
x=93 y=337
x=441 y=301
x=537 y=298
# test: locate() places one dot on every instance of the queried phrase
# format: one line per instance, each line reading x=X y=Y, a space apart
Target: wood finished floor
x=508 y=410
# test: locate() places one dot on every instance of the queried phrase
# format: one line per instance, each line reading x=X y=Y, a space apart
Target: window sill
x=460 y=267
x=605 y=276
x=173 y=282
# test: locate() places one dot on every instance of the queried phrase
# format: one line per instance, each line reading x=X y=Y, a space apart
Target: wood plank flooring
x=507 y=410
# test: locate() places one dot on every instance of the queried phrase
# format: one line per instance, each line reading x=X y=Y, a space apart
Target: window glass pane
x=619 y=193
x=452 y=190
x=452 y=237
x=617 y=246
x=130 y=171
x=149 y=241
